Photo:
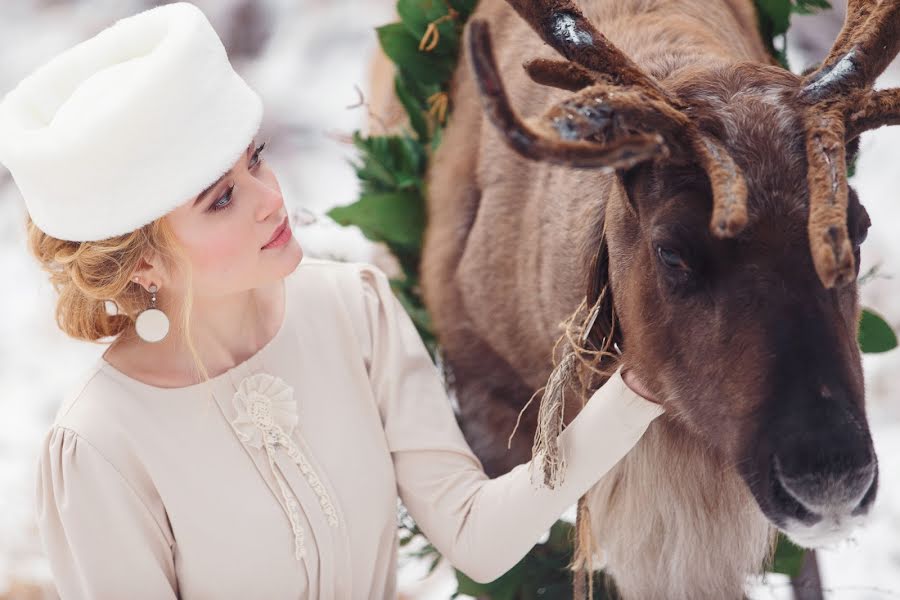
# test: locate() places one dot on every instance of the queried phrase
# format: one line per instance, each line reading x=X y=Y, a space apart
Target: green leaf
x=394 y=217
x=851 y=166
x=464 y=7
x=777 y=13
x=875 y=335
x=421 y=90
x=416 y=15
x=414 y=109
x=434 y=564
x=808 y=7
x=504 y=587
x=788 y=557
x=402 y=47
x=389 y=163
x=561 y=535
x=774 y=18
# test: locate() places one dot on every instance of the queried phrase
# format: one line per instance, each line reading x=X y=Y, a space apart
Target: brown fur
x=512 y=245
x=500 y=355
x=459 y=250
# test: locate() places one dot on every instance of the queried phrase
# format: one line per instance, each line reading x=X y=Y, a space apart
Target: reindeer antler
x=876 y=109
x=560 y=74
x=562 y=25
x=533 y=143
x=868 y=42
x=842 y=106
x=618 y=117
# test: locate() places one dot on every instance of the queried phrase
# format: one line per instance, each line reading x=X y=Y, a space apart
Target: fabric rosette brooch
x=266 y=407
x=266 y=418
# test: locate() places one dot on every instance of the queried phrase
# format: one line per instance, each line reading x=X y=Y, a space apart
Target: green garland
x=424 y=45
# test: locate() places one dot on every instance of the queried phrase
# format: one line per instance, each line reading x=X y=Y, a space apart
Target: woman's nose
x=269 y=197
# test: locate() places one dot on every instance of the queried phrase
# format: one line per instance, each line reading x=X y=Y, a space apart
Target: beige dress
x=288 y=487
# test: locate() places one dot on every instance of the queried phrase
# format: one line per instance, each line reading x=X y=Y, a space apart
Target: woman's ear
x=150 y=271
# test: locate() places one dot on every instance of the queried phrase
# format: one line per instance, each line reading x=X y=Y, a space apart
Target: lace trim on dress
x=267 y=415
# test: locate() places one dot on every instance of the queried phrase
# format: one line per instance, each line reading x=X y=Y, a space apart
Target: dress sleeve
x=482 y=526
x=100 y=538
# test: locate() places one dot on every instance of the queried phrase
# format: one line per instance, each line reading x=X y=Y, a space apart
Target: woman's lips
x=281 y=235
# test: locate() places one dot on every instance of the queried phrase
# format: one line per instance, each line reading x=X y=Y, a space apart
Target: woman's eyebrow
x=219 y=180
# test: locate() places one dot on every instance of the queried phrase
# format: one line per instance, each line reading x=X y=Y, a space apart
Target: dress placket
x=264 y=416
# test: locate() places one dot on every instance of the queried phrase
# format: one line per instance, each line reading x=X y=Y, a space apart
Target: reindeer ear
x=598 y=283
x=629 y=178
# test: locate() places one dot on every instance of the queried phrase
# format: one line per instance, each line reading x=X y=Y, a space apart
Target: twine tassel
x=550 y=422
x=583 y=560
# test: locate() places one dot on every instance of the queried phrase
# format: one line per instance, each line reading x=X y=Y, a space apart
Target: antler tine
x=537 y=145
x=602 y=112
x=857 y=13
x=729 y=188
x=562 y=25
x=559 y=74
x=868 y=42
x=832 y=252
x=876 y=109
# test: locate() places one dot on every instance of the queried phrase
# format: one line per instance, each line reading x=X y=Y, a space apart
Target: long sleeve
x=101 y=540
x=483 y=526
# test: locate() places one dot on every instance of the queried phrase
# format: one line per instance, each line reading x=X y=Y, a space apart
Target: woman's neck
x=226 y=332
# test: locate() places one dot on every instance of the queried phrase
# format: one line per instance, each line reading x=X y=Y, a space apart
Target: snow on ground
x=304 y=57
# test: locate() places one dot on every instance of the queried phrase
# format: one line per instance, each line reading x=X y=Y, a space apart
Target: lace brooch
x=266 y=417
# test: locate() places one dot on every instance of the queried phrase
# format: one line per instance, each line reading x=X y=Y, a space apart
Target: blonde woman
x=273 y=468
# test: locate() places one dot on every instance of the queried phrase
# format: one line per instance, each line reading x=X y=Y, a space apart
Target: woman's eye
x=223 y=202
x=256 y=155
x=671 y=259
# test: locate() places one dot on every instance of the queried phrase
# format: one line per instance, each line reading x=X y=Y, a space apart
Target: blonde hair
x=86 y=275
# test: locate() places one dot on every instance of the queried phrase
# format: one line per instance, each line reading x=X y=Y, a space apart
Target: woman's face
x=224 y=229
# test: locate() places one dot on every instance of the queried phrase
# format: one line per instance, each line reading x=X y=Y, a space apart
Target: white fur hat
x=120 y=129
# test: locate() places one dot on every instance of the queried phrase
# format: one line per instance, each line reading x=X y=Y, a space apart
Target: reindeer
x=668 y=172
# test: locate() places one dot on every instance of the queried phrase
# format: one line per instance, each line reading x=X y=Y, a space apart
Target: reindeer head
x=732 y=242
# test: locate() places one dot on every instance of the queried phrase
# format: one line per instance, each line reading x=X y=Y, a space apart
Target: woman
x=278 y=476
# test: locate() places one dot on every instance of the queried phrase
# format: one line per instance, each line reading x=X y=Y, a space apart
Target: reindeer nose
x=830 y=490
x=827 y=463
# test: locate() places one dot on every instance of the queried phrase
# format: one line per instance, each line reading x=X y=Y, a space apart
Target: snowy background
x=306 y=58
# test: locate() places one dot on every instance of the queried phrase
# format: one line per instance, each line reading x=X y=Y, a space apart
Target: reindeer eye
x=671 y=259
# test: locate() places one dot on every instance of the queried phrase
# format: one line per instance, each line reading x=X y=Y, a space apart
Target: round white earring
x=152 y=324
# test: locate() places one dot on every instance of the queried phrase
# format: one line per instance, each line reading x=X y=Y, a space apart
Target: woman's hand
x=637 y=386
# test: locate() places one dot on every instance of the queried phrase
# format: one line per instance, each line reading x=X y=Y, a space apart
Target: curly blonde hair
x=86 y=275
